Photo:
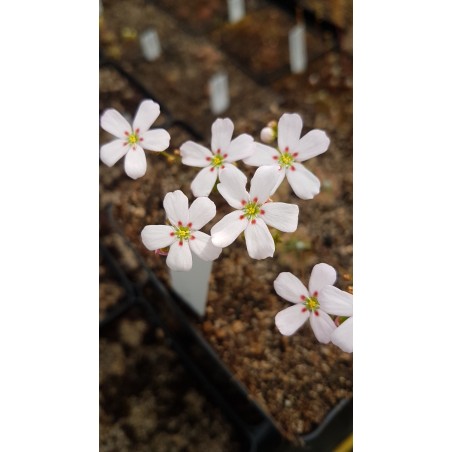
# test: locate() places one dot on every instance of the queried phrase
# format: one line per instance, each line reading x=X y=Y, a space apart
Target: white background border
x=49 y=226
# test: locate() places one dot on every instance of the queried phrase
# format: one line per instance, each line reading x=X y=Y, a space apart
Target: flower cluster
x=253 y=212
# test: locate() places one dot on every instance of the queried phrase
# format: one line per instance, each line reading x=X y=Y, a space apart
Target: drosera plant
x=183 y=236
x=290 y=153
x=315 y=303
x=225 y=152
x=132 y=139
x=254 y=211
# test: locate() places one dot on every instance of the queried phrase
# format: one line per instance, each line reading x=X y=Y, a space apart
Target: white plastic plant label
x=236 y=10
x=193 y=285
x=150 y=44
x=219 y=93
x=297 y=49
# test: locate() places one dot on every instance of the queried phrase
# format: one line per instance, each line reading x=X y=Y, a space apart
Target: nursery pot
x=165 y=308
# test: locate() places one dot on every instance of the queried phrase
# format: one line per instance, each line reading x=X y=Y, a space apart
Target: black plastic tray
x=164 y=308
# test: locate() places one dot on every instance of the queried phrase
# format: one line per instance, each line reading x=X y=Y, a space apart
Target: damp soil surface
x=295 y=379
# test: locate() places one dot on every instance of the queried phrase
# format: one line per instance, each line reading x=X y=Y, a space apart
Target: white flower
x=291 y=151
x=183 y=236
x=254 y=212
x=308 y=303
x=339 y=302
x=132 y=140
x=224 y=151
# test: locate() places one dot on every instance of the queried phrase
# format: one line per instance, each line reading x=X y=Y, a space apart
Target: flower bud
x=267 y=135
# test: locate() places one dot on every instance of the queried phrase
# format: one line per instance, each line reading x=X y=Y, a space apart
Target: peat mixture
x=295 y=379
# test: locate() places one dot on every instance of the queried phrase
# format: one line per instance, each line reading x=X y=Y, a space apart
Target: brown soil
x=266 y=53
x=296 y=379
x=148 y=401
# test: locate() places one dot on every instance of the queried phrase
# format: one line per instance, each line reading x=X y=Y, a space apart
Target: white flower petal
x=204 y=181
x=335 y=301
x=289 y=320
x=221 y=134
x=322 y=275
x=111 y=152
x=281 y=216
x=147 y=113
x=135 y=162
x=259 y=241
x=113 y=122
x=203 y=247
x=313 y=143
x=289 y=131
x=179 y=256
x=232 y=187
x=263 y=183
x=201 y=211
x=155 y=237
x=263 y=155
x=289 y=287
x=155 y=140
x=322 y=325
x=304 y=184
x=342 y=336
x=193 y=154
x=281 y=176
x=239 y=148
x=176 y=207
x=232 y=167
x=228 y=229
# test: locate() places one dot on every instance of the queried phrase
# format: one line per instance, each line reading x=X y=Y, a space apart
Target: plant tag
x=236 y=10
x=150 y=44
x=219 y=93
x=193 y=286
x=297 y=49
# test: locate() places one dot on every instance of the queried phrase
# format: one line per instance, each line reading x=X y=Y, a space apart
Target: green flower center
x=311 y=303
x=251 y=210
x=217 y=160
x=286 y=159
x=183 y=232
x=133 y=138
